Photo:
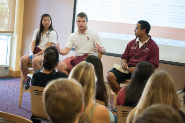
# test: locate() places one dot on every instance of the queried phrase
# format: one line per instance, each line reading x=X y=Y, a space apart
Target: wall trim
x=15 y=73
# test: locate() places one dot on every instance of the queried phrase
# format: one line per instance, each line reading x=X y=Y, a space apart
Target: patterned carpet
x=9 y=98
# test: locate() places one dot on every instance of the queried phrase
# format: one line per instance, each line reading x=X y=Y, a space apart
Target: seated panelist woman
x=43 y=37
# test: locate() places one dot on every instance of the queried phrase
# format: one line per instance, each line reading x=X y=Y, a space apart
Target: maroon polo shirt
x=148 y=52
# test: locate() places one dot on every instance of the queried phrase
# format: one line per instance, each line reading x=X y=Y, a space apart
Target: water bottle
x=31 y=55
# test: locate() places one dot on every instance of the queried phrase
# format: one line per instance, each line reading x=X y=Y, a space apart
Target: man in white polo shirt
x=85 y=41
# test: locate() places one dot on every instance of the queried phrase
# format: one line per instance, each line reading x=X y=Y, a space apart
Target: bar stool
x=30 y=71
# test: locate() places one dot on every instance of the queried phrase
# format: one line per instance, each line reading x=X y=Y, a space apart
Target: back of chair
x=37 y=106
x=100 y=102
x=122 y=112
x=11 y=118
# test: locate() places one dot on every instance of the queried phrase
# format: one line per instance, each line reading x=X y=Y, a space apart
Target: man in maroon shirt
x=142 y=48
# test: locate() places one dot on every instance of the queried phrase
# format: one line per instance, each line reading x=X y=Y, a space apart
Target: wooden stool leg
x=21 y=91
x=21 y=85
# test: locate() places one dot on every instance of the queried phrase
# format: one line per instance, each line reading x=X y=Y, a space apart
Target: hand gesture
x=97 y=48
x=131 y=69
x=57 y=46
x=125 y=66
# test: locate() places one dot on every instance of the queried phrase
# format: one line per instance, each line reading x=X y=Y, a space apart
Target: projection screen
x=115 y=21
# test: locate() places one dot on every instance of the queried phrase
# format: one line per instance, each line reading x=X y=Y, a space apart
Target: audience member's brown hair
x=63 y=101
x=93 y=113
x=159 y=113
x=160 y=88
x=101 y=92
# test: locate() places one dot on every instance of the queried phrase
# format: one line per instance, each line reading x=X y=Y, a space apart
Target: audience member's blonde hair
x=159 y=113
x=159 y=89
x=63 y=100
x=84 y=73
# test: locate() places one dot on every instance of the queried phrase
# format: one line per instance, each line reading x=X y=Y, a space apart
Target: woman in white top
x=43 y=37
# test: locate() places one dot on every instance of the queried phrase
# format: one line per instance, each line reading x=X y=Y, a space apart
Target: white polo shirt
x=84 y=43
x=49 y=36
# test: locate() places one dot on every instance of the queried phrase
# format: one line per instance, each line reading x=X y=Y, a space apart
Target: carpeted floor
x=9 y=98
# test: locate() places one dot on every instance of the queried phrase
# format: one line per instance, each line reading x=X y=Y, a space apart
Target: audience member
x=130 y=95
x=50 y=62
x=102 y=89
x=93 y=112
x=43 y=37
x=43 y=77
x=159 y=113
x=159 y=89
x=63 y=101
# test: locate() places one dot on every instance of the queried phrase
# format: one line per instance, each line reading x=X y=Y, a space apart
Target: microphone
x=135 y=43
x=144 y=47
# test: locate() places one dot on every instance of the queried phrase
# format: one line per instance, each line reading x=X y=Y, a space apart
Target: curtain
x=7 y=16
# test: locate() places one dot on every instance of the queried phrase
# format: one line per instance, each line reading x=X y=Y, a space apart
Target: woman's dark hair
x=134 y=90
x=38 y=37
x=51 y=58
x=101 y=92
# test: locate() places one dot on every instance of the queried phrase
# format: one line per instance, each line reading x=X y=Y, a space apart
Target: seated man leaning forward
x=142 y=48
x=85 y=41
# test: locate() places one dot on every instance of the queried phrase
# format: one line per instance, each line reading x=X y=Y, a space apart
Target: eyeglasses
x=138 y=29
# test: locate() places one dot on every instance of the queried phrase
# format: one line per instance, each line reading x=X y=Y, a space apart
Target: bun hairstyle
x=51 y=58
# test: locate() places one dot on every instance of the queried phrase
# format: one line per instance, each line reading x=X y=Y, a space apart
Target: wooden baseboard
x=14 y=73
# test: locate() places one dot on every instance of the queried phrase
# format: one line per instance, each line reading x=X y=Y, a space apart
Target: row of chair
x=38 y=108
x=37 y=105
x=122 y=112
x=30 y=71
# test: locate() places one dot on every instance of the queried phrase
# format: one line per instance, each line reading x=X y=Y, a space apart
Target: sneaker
x=27 y=84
